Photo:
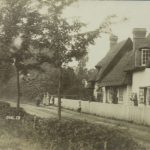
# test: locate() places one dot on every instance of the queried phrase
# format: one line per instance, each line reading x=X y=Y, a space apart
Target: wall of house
x=107 y=97
x=121 y=91
x=140 y=79
x=135 y=114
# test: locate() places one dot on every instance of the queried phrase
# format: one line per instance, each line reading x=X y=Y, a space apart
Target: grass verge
x=30 y=133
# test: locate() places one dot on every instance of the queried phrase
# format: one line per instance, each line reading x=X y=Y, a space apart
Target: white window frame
x=142 y=56
x=142 y=95
x=145 y=96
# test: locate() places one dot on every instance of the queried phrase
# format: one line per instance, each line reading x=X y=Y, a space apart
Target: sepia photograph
x=74 y=75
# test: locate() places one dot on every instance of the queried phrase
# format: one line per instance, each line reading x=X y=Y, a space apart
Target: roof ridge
x=119 y=51
x=111 y=49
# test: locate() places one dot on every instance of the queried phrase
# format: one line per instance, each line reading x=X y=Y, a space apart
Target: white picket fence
x=140 y=115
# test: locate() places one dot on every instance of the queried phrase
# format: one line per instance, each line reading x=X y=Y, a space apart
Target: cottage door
x=114 y=96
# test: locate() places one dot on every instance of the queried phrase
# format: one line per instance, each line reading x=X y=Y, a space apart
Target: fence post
x=34 y=121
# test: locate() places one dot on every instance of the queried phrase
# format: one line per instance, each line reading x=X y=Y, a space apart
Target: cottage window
x=145 y=56
x=142 y=95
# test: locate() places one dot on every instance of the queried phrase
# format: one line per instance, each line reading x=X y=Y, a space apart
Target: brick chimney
x=113 y=40
x=139 y=37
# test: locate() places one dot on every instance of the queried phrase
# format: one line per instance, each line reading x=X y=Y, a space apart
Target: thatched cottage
x=123 y=75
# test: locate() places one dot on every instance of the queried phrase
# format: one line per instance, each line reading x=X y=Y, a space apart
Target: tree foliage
x=35 y=32
x=26 y=33
x=18 y=25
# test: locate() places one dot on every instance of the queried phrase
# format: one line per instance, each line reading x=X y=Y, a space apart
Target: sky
x=93 y=13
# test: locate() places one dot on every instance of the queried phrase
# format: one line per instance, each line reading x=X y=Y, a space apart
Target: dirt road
x=139 y=133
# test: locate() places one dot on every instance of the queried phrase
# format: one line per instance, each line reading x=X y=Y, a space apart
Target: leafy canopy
x=29 y=37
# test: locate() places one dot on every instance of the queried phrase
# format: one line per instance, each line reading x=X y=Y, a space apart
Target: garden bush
x=75 y=134
x=4 y=105
x=6 y=110
x=13 y=111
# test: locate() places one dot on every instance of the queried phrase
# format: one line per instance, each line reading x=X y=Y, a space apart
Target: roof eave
x=140 y=68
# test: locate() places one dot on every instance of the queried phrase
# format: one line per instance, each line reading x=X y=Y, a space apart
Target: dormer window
x=145 y=56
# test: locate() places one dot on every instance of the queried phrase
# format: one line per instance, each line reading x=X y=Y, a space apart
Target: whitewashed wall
x=140 y=79
x=138 y=115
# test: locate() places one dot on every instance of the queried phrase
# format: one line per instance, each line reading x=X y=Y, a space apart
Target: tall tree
x=65 y=41
x=30 y=37
x=19 y=23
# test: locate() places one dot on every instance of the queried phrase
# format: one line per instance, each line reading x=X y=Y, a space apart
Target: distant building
x=123 y=75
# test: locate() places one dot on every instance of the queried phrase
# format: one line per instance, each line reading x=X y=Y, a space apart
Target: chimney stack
x=113 y=40
x=139 y=37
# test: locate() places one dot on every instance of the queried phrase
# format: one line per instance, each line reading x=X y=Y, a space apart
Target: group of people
x=45 y=99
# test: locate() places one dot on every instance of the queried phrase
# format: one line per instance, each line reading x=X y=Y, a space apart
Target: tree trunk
x=18 y=89
x=59 y=93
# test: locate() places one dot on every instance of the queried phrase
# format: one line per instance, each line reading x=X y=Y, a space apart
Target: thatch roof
x=130 y=64
x=117 y=76
x=112 y=58
x=110 y=55
x=116 y=67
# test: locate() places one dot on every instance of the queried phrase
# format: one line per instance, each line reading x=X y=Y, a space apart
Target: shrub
x=72 y=135
x=4 y=105
x=68 y=134
x=6 y=110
